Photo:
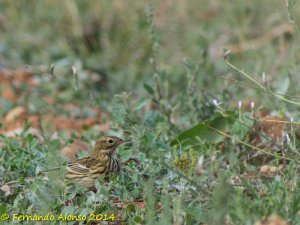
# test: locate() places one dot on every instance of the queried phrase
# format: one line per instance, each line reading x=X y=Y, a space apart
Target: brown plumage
x=102 y=161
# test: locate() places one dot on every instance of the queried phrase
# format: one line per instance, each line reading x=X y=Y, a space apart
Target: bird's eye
x=110 y=141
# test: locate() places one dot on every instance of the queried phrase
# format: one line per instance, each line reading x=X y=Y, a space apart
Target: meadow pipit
x=102 y=161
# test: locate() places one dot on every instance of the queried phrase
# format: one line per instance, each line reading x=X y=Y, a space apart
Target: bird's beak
x=124 y=141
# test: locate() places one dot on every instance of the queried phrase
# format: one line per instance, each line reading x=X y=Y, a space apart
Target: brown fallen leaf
x=18 y=131
x=66 y=123
x=272 y=126
x=71 y=150
x=6 y=189
x=272 y=220
x=102 y=127
x=281 y=30
x=12 y=80
x=15 y=114
x=8 y=92
x=264 y=169
x=123 y=205
x=15 y=76
x=270 y=170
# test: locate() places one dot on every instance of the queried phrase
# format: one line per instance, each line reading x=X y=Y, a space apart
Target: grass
x=153 y=72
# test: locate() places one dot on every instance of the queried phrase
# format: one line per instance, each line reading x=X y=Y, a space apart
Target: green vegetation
x=159 y=73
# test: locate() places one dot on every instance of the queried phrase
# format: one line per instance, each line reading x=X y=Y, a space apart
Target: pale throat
x=104 y=154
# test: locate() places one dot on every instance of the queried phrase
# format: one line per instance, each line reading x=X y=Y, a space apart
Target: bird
x=102 y=161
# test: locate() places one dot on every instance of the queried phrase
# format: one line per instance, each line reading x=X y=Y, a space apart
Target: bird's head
x=108 y=144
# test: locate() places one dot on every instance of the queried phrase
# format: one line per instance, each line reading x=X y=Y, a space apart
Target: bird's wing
x=77 y=168
x=83 y=167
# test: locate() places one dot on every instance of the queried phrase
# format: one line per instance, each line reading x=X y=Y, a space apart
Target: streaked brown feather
x=100 y=162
